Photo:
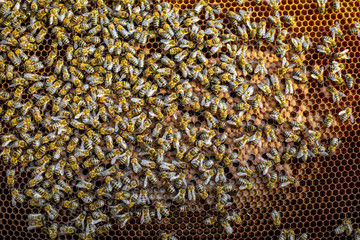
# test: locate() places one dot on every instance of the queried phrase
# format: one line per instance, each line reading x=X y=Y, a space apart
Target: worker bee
x=336 y=67
x=322 y=49
x=272 y=181
x=288 y=154
x=305 y=39
x=356 y=29
x=283 y=234
x=277 y=117
x=275 y=156
x=210 y=220
x=166 y=236
x=336 y=78
x=10 y=180
x=274 y=5
x=264 y=166
x=245 y=184
x=314 y=135
x=336 y=31
x=260 y=68
x=265 y=89
x=275 y=216
x=241 y=141
x=161 y=210
x=244 y=171
x=329 y=42
x=281 y=100
x=301 y=76
x=270 y=133
x=321 y=5
x=334 y=143
x=246 y=67
x=286 y=180
x=357 y=234
x=285 y=67
x=336 y=94
x=304 y=152
x=281 y=50
x=281 y=37
x=51 y=211
x=340 y=229
x=349 y=81
x=318 y=74
x=291 y=137
x=329 y=120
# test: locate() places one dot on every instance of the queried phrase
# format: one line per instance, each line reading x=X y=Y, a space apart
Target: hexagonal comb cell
x=91 y=129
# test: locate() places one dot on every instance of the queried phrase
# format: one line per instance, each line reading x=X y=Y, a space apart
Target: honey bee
x=150 y=177
x=304 y=152
x=10 y=180
x=349 y=81
x=161 y=210
x=303 y=236
x=245 y=184
x=356 y=29
x=318 y=74
x=305 y=39
x=244 y=171
x=322 y=49
x=288 y=86
x=341 y=55
x=274 y=4
x=285 y=67
x=290 y=153
x=275 y=217
x=340 y=229
x=210 y=220
x=334 y=143
x=301 y=76
x=281 y=50
x=336 y=78
x=277 y=117
x=329 y=42
x=281 y=100
x=336 y=94
x=260 y=68
x=336 y=31
x=314 y=136
x=357 y=234
x=291 y=137
x=51 y=211
x=240 y=142
x=329 y=120
x=283 y=234
x=321 y=5
x=281 y=37
x=286 y=180
x=145 y=216
x=336 y=67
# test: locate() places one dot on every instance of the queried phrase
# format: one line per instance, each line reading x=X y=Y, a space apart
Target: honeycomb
x=327 y=191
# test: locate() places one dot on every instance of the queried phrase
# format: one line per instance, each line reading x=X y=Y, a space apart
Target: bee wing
x=325 y=154
x=311 y=153
x=269 y=156
x=300 y=154
x=265 y=171
x=269 y=139
x=284 y=184
x=352 y=118
x=277 y=99
x=341 y=94
x=257 y=69
x=295 y=42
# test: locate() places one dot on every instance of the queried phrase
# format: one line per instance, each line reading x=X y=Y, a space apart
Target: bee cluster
x=118 y=129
